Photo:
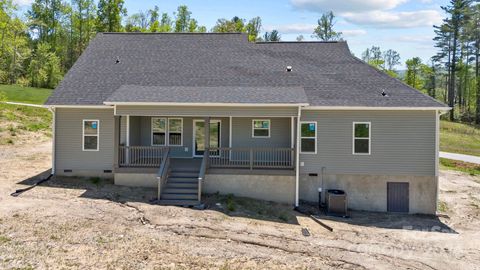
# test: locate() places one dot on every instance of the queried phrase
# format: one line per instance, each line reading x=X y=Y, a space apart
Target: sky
x=401 y=25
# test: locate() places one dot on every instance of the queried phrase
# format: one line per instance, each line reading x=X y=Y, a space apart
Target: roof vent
x=289 y=68
x=117 y=61
x=384 y=94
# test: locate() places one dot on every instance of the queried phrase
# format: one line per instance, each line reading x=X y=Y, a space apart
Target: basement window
x=361 y=138
x=159 y=129
x=260 y=128
x=90 y=135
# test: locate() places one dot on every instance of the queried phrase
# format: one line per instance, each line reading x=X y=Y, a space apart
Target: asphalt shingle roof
x=193 y=94
x=326 y=71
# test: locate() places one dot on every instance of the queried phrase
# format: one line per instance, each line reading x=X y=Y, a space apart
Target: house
x=201 y=113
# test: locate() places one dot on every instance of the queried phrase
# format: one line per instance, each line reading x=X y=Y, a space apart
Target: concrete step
x=179 y=196
x=182 y=185
x=170 y=190
x=179 y=202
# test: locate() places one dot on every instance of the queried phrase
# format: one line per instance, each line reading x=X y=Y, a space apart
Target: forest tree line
x=37 y=49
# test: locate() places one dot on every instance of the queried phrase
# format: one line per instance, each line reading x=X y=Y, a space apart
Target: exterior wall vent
x=289 y=68
x=107 y=171
x=67 y=171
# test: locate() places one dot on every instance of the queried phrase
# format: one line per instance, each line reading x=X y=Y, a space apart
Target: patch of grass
x=442 y=206
x=470 y=168
x=265 y=210
x=17 y=93
x=4 y=239
x=16 y=119
x=459 y=138
x=96 y=181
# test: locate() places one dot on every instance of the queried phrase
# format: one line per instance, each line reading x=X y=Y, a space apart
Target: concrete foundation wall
x=277 y=188
x=136 y=180
x=369 y=192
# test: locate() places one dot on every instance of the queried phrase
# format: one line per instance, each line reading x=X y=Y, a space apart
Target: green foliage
x=44 y=68
x=470 y=168
x=273 y=36
x=459 y=138
x=324 y=31
x=230 y=203
x=109 y=15
x=19 y=93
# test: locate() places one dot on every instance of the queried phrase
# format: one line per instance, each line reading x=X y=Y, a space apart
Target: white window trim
x=168 y=131
x=369 y=139
x=151 y=131
x=97 y=135
x=253 y=128
x=301 y=137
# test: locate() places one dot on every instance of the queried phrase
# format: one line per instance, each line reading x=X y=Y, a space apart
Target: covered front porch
x=240 y=143
x=183 y=150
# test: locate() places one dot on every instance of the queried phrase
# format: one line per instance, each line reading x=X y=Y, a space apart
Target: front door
x=199 y=136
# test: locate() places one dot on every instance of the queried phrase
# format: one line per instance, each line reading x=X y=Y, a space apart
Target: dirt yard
x=89 y=223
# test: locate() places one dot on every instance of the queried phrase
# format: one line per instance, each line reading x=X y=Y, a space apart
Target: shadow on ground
x=426 y=223
x=96 y=188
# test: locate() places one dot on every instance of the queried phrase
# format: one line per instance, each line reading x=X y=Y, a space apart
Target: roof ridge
x=170 y=33
x=313 y=41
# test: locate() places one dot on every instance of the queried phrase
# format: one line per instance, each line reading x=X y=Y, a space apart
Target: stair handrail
x=162 y=174
x=203 y=171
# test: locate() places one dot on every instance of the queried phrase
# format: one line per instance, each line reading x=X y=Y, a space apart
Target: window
x=90 y=135
x=361 y=138
x=308 y=137
x=175 y=129
x=261 y=128
x=159 y=129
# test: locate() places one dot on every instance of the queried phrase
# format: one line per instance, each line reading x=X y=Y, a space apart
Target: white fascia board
x=364 y=108
x=208 y=104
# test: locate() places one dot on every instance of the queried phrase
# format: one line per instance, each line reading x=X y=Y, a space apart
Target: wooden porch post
x=127 y=140
x=116 y=140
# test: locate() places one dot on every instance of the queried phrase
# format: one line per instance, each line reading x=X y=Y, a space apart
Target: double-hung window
x=261 y=128
x=91 y=131
x=175 y=131
x=361 y=138
x=159 y=131
x=308 y=137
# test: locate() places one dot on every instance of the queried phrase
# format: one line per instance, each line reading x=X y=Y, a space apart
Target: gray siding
x=403 y=143
x=280 y=133
x=68 y=141
x=205 y=111
x=141 y=134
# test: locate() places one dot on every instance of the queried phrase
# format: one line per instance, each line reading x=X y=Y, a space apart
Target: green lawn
x=470 y=168
x=19 y=93
x=459 y=138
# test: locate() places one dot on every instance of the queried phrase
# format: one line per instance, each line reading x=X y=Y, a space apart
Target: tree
x=391 y=59
x=300 y=38
x=412 y=77
x=109 y=15
x=44 y=68
x=182 y=19
x=253 y=28
x=273 y=36
x=235 y=25
x=324 y=31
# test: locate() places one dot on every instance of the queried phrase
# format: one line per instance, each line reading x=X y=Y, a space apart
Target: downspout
x=437 y=153
x=297 y=158
x=54 y=116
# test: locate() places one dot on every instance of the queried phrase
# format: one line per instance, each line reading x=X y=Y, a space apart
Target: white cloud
x=346 y=5
x=391 y=19
x=296 y=28
x=421 y=39
x=23 y=2
x=353 y=32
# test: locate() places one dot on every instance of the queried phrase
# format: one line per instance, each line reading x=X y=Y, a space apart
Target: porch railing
x=141 y=156
x=163 y=172
x=252 y=158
